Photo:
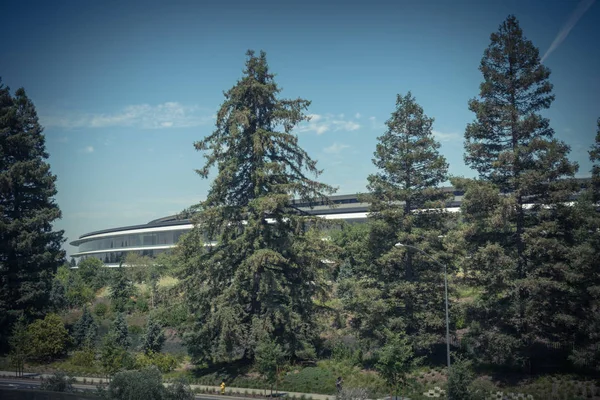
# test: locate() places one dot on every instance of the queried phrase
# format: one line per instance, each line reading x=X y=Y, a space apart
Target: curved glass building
x=112 y=245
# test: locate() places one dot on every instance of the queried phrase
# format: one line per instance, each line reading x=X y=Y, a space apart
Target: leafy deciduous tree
x=48 y=338
x=396 y=359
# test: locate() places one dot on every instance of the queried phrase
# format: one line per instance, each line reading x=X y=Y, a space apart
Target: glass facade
x=132 y=240
x=116 y=257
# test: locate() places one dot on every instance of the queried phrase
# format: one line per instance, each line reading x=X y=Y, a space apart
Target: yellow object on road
x=222 y=387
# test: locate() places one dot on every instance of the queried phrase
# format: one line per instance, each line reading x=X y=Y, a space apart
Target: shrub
x=460 y=379
x=137 y=385
x=83 y=358
x=58 y=382
x=180 y=390
x=47 y=337
x=101 y=309
x=164 y=362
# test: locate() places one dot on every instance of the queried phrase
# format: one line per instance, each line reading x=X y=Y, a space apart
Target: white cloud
x=328 y=123
x=582 y=7
x=335 y=148
x=87 y=149
x=357 y=115
x=446 y=137
x=165 y=115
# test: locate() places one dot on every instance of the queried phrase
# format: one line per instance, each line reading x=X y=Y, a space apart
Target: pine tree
x=85 y=330
x=30 y=250
x=400 y=288
x=265 y=269
x=121 y=332
x=585 y=274
x=121 y=289
x=58 y=298
x=595 y=158
x=511 y=146
x=154 y=338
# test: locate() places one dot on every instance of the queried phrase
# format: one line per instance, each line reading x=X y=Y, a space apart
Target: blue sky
x=124 y=88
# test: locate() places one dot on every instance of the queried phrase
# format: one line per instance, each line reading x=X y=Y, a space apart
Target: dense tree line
x=528 y=251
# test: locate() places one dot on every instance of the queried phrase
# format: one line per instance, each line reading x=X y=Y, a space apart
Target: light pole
x=446 y=295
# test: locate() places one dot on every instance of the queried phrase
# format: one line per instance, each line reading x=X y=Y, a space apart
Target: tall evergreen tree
x=265 y=269
x=120 y=331
x=585 y=274
x=85 y=330
x=595 y=158
x=403 y=289
x=511 y=146
x=58 y=298
x=154 y=338
x=30 y=250
x=121 y=289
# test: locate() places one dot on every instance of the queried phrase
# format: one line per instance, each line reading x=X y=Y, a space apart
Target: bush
x=142 y=304
x=47 y=337
x=58 y=382
x=101 y=309
x=164 y=362
x=137 y=385
x=83 y=358
x=460 y=379
x=180 y=390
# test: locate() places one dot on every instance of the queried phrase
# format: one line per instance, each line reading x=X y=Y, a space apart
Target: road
x=12 y=383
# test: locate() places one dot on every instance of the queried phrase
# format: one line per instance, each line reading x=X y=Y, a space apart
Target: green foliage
x=518 y=256
x=120 y=331
x=399 y=288
x=269 y=357
x=113 y=357
x=78 y=293
x=48 y=338
x=137 y=385
x=89 y=270
x=396 y=359
x=85 y=330
x=30 y=250
x=139 y=268
x=62 y=274
x=163 y=361
x=84 y=358
x=59 y=382
x=121 y=290
x=101 y=309
x=460 y=379
x=260 y=276
x=180 y=390
x=154 y=338
x=58 y=296
x=172 y=314
x=19 y=344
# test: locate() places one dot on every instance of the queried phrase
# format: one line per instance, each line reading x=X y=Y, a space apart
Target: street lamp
x=446 y=295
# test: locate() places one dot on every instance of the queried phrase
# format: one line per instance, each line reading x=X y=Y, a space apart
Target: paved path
x=232 y=393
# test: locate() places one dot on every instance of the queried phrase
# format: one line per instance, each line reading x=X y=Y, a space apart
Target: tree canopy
x=266 y=266
x=30 y=249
